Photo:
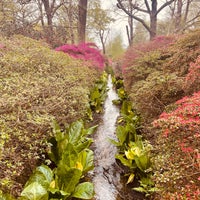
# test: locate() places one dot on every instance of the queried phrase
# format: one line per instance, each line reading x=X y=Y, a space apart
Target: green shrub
x=37 y=85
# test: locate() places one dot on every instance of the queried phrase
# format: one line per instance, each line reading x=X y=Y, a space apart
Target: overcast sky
x=120 y=24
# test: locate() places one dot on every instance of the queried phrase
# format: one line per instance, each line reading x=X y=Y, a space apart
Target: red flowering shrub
x=192 y=81
x=84 y=51
x=177 y=162
x=141 y=56
x=140 y=49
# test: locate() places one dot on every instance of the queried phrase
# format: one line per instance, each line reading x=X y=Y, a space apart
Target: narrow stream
x=106 y=177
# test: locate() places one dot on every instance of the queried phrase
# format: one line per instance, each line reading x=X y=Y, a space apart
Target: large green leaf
x=121 y=134
x=48 y=173
x=125 y=161
x=34 y=191
x=67 y=179
x=86 y=158
x=84 y=191
x=70 y=156
x=117 y=144
x=42 y=175
x=75 y=132
x=95 y=94
x=90 y=130
x=84 y=143
x=143 y=162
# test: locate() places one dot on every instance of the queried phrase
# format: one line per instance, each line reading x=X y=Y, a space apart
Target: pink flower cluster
x=187 y=114
x=182 y=128
x=84 y=51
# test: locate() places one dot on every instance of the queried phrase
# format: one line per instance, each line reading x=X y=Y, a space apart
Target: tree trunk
x=82 y=16
x=101 y=34
x=178 y=16
x=153 y=20
x=49 y=29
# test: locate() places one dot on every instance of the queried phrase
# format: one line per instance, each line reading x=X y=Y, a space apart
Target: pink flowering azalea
x=84 y=51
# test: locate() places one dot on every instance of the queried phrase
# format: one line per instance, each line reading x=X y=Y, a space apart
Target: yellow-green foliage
x=37 y=85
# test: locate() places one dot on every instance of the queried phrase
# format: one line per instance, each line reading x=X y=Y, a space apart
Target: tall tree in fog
x=141 y=8
x=82 y=17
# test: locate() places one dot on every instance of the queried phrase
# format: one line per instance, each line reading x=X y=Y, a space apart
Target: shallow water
x=106 y=178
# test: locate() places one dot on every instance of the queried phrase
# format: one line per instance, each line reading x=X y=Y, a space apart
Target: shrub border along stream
x=70 y=158
x=133 y=151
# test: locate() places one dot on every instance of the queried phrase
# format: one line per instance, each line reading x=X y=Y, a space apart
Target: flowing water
x=106 y=178
x=106 y=175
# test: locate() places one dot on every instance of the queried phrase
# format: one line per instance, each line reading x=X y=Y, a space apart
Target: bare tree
x=50 y=7
x=149 y=8
x=99 y=21
x=184 y=14
x=129 y=27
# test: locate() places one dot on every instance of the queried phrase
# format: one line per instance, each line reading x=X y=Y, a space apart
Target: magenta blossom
x=84 y=51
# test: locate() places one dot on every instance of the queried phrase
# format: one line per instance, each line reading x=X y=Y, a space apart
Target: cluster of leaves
x=37 y=85
x=98 y=95
x=133 y=151
x=84 y=51
x=119 y=86
x=177 y=159
x=72 y=160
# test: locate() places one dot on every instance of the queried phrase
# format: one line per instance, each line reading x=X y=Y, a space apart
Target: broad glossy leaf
x=90 y=130
x=86 y=158
x=114 y=142
x=75 y=131
x=83 y=144
x=140 y=189
x=67 y=179
x=48 y=173
x=84 y=191
x=95 y=94
x=42 y=175
x=124 y=161
x=70 y=156
x=121 y=134
x=143 y=162
x=34 y=191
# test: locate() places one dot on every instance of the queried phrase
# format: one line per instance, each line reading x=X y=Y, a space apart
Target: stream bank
x=107 y=175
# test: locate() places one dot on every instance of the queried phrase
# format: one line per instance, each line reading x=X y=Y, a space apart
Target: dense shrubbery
x=37 y=85
x=192 y=81
x=155 y=80
x=156 y=75
x=177 y=161
x=84 y=51
x=150 y=51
